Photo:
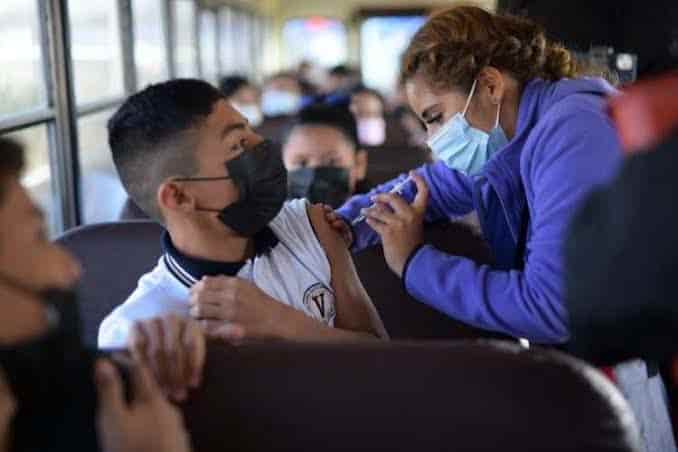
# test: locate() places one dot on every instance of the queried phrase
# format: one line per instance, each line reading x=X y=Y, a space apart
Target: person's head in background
x=368 y=106
x=321 y=153
x=282 y=95
x=30 y=264
x=341 y=79
x=244 y=97
x=192 y=163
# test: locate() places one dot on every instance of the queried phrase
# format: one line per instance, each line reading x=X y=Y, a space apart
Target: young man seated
x=323 y=157
x=237 y=257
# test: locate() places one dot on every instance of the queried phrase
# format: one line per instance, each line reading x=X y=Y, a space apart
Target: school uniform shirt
x=289 y=265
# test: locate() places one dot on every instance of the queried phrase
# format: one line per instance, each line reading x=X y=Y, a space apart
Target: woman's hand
x=7 y=411
x=399 y=224
x=148 y=423
x=339 y=225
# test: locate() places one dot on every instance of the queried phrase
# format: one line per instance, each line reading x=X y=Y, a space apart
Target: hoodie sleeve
x=565 y=159
x=449 y=196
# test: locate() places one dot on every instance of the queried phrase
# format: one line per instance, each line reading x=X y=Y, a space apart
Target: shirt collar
x=189 y=270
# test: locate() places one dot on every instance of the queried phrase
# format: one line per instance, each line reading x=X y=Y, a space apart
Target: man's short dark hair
x=230 y=85
x=11 y=162
x=339 y=118
x=149 y=136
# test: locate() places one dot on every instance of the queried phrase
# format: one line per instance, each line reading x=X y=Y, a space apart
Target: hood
x=539 y=96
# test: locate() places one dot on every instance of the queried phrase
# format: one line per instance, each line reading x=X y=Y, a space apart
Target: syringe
x=397 y=189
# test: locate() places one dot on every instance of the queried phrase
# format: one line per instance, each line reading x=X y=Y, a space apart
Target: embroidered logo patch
x=319 y=300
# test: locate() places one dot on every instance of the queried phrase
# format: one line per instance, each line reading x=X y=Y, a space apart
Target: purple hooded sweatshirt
x=564 y=146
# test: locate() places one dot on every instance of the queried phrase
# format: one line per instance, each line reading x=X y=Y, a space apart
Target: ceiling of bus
x=343 y=9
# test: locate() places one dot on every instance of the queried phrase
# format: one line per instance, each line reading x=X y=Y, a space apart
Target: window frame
x=61 y=113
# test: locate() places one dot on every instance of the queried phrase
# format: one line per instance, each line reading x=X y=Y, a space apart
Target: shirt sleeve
x=450 y=195
x=567 y=159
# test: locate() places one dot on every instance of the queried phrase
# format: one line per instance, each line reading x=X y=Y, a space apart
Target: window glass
x=96 y=50
x=37 y=176
x=318 y=39
x=383 y=40
x=184 y=26
x=22 y=84
x=208 y=40
x=226 y=41
x=150 y=50
x=101 y=193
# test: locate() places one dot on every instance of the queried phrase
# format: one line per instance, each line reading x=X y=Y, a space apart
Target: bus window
x=102 y=196
x=382 y=41
x=227 y=40
x=22 y=85
x=185 y=42
x=208 y=48
x=319 y=39
x=96 y=50
x=37 y=177
x=150 y=42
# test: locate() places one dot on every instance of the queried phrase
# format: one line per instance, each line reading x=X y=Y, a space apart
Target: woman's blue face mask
x=463 y=147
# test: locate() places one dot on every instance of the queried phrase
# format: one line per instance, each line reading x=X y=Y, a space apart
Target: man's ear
x=172 y=197
x=360 y=168
x=494 y=82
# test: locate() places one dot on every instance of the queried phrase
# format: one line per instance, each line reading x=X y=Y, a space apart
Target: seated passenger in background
x=282 y=95
x=236 y=255
x=368 y=106
x=244 y=97
x=341 y=79
x=323 y=158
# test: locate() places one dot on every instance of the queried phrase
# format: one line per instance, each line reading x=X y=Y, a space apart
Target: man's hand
x=7 y=411
x=339 y=225
x=234 y=309
x=174 y=348
x=399 y=224
x=149 y=423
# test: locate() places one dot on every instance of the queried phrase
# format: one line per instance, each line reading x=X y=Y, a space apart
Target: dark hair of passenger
x=341 y=70
x=231 y=84
x=11 y=162
x=362 y=89
x=339 y=118
x=149 y=140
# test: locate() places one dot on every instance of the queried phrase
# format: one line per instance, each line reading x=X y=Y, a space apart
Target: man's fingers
x=213 y=283
x=194 y=342
x=138 y=343
x=156 y=350
x=208 y=311
x=421 y=200
x=174 y=352
x=109 y=389
x=144 y=385
x=231 y=332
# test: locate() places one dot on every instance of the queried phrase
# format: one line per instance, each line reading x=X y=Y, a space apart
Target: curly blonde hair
x=451 y=49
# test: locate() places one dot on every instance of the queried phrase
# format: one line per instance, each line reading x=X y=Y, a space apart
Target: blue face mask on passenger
x=279 y=103
x=463 y=147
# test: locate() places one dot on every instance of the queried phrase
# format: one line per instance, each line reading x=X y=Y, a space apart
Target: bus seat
x=404 y=317
x=409 y=397
x=131 y=211
x=646 y=113
x=113 y=256
x=385 y=163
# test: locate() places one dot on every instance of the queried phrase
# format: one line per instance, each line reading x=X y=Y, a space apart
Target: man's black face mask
x=261 y=179
x=326 y=185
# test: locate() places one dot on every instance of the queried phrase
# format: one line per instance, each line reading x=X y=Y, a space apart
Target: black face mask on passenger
x=261 y=179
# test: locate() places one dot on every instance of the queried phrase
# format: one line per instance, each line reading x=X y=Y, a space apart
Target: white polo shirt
x=290 y=265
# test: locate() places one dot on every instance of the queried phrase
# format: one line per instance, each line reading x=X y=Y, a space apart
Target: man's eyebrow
x=231 y=128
